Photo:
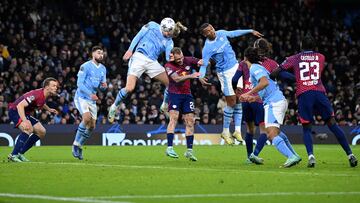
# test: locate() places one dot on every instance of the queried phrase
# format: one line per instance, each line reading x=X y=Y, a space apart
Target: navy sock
x=249 y=143
x=29 y=143
x=20 y=143
x=260 y=144
x=308 y=140
x=170 y=138
x=340 y=136
x=189 y=141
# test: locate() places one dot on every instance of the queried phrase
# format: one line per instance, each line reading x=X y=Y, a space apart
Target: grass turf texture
x=145 y=174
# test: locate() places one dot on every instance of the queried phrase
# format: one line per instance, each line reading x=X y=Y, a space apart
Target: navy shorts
x=314 y=102
x=253 y=112
x=184 y=103
x=15 y=118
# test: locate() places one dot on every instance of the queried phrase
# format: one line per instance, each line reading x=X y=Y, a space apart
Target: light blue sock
x=166 y=96
x=85 y=136
x=81 y=130
x=287 y=142
x=228 y=114
x=121 y=96
x=281 y=146
x=238 y=117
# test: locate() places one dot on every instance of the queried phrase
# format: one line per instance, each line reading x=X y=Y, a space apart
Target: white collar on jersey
x=97 y=66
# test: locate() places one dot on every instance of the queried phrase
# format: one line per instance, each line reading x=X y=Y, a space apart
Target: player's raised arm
x=135 y=41
x=238 y=33
x=169 y=47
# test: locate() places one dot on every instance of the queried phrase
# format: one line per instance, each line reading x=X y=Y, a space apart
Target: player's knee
x=189 y=122
x=29 y=131
x=272 y=132
x=130 y=88
x=92 y=125
x=87 y=119
x=40 y=132
x=251 y=129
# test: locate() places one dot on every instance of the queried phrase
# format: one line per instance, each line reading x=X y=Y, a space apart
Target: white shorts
x=139 y=63
x=275 y=113
x=225 y=79
x=84 y=105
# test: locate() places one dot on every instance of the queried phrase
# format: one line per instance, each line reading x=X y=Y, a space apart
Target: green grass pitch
x=145 y=174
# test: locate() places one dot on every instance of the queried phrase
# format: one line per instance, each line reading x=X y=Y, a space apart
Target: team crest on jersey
x=257 y=72
x=168 y=70
x=30 y=98
x=187 y=67
x=164 y=42
x=221 y=39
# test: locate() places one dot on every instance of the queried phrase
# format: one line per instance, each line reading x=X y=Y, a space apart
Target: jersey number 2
x=305 y=73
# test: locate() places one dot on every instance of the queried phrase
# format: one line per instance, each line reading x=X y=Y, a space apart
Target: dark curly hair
x=265 y=47
x=252 y=55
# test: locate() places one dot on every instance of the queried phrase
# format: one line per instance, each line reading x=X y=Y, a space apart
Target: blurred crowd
x=39 y=39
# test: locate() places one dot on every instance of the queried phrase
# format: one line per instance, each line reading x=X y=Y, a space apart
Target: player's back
x=153 y=43
x=269 y=64
x=247 y=85
x=271 y=93
x=35 y=99
x=307 y=67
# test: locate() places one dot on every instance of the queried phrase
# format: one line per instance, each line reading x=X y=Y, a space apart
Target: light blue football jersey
x=220 y=50
x=272 y=92
x=151 y=42
x=90 y=76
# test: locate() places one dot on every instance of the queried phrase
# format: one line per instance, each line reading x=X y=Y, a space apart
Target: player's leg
x=164 y=79
x=88 y=111
x=259 y=121
x=22 y=137
x=174 y=116
x=238 y=114
x=250 y=131
x=175 y=100
x=249 y=143
x=81 y=135
x=274 y=116
x=38 y=133
x=189 y=133
x=129 y=88
x=327 y=113
x=306 y=102
x=250 y=127
x=137 y=66
x=188 y=115
x=230 y=97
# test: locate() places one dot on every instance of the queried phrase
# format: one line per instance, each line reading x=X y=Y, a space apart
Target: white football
x=167 y=25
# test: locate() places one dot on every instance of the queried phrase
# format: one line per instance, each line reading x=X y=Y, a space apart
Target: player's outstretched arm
x=51 y=110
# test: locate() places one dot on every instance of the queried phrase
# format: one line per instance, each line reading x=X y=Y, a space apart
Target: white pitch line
x=226 y=195
x=54 y=198
x=200 y=169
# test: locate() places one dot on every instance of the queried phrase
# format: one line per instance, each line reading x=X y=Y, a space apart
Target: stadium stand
x=54 y=37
